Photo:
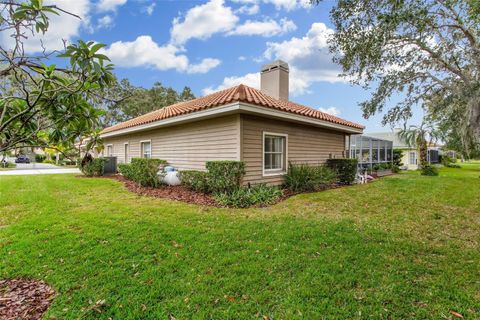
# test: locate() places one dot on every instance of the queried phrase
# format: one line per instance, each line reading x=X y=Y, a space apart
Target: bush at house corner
x=93 y=168
x=345 y=168
x=225 y=176
x=143 y=171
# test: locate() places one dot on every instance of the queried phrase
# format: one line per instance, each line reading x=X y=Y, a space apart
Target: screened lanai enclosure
x=369 y=150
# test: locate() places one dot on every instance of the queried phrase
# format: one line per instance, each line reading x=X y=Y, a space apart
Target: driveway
x=37 y=168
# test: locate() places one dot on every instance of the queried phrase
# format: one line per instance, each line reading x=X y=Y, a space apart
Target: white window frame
x=274 y=172
x=111 y=146
x=126 y=151
x=141 y=148
x=414 y=158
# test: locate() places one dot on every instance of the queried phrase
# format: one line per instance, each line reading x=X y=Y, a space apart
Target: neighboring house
x=411 y=156
x=260 y=127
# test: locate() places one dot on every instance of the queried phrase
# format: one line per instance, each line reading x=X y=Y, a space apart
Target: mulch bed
x=179 y=193
x=24 y=299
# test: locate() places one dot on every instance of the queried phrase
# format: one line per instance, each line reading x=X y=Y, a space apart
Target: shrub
x=346 y=169
x=260 y=194
x=126 y=170
x=453 y=165
x=395 y=168
x=225 y=176
x=449 y=162
x=382 y=166
x=40 y=158
x=93 y=168
x=144 y=171
x=302 y=177
x=195 y=180
x=49 y=161
x=397 y=157
x=6 y=164
x=429 y=170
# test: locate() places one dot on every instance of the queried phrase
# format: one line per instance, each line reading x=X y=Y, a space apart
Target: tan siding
x=186 y=146
x=306 y=144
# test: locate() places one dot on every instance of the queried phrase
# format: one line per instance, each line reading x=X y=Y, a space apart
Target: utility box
x=110 y=165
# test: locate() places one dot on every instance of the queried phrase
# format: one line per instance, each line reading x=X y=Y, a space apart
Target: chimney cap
x=274 y=65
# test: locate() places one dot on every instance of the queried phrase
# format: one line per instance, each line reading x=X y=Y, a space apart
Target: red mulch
x=24 y=299
x=179 y=193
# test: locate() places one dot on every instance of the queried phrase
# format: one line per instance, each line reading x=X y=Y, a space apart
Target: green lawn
x=404 y=247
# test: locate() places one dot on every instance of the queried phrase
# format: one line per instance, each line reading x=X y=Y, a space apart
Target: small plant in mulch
x=24 y=299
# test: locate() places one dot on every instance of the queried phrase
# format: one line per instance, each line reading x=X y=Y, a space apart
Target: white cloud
x=250 y=79
x=248 y=9
x=330 y=110
x=109 y=5
x=288 y=4
x=143 y=51
x=309 y=59
x=202 y=21
x=242 y=58
x=149 y=9
x=266 y=28
x=279 y=4
x=204 y=66
x=105 y=22
x=62 y=27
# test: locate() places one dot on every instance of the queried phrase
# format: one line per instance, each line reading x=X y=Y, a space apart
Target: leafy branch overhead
x=425 y=51
x=43 y=104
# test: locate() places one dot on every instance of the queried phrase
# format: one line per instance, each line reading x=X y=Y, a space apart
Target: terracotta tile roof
x=240 y=93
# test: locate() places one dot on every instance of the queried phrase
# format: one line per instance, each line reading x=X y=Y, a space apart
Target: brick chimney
x=274 y=79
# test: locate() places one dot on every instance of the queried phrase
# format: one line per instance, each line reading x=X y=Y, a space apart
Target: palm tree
x=420 y=137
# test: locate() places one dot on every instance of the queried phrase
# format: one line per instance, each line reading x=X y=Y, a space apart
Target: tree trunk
x=423 y=151
x=475 y=121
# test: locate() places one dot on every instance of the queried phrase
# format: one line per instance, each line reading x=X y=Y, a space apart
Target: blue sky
x=210 y=45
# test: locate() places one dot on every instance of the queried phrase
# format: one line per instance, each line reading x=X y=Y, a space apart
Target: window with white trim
x=274 y=153
x=413 y=158
x=125 y=159
x=109 y=150
x=146 y=147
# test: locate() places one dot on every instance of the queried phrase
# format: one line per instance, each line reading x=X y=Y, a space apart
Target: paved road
x=29 y=166
x=37 y=168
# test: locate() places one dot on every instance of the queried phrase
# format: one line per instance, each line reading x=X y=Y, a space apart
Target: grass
x=403 y=247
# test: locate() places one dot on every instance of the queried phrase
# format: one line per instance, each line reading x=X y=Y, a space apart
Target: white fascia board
x=235 y=107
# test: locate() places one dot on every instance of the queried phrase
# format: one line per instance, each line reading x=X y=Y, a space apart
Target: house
x=411 y=156
x=260 y=127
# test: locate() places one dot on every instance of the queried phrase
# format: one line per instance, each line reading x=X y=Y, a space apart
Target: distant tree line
x=126 y=101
